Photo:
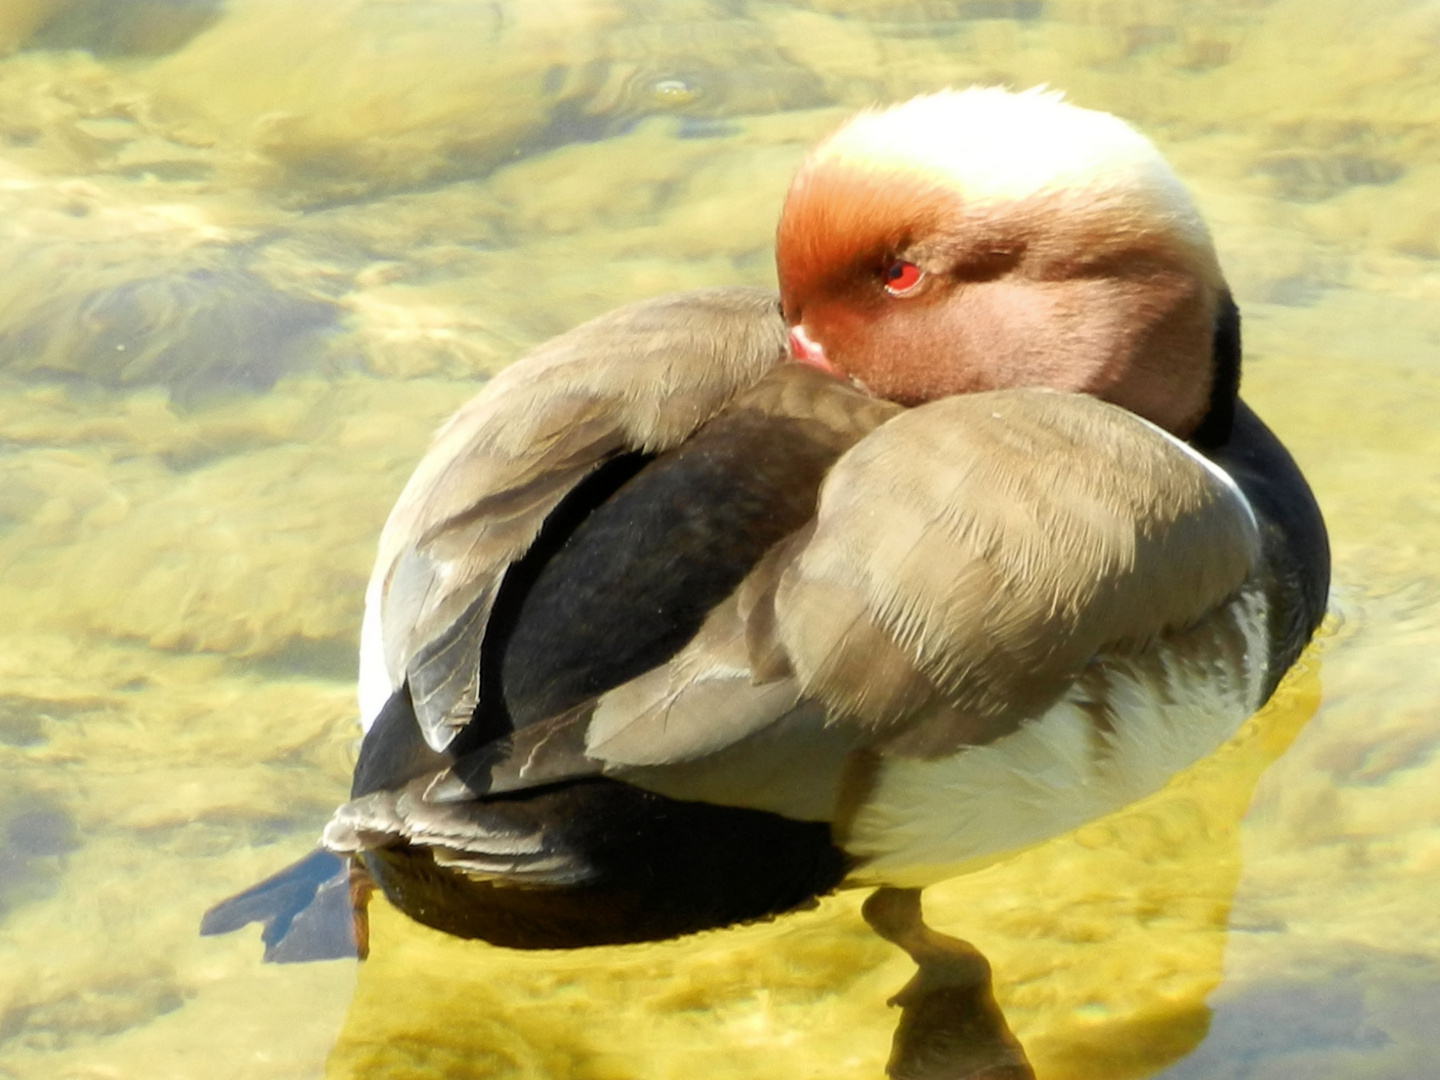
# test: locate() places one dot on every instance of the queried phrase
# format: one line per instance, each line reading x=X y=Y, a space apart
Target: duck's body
x=669 y=631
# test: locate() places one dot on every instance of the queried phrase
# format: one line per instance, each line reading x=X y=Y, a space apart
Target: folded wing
x=972 y=556
x=639 y=379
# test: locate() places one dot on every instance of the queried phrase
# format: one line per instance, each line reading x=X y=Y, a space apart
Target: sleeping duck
x=724 y=600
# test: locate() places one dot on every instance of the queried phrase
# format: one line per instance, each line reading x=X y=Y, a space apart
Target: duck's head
x=980 y=239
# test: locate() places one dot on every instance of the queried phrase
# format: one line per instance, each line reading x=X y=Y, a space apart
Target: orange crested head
x=980 y=239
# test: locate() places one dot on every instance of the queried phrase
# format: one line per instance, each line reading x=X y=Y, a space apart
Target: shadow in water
x=1105 y=968
x=951 y=1027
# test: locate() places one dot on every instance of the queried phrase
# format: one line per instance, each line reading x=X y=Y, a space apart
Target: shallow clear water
x=248 y=260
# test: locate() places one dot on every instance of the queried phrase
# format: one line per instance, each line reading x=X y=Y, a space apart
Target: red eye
x=900 y=277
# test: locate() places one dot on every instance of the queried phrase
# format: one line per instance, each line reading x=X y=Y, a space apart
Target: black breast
x=1293 y=540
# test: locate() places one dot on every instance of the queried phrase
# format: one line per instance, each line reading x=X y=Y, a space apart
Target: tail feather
x=488 y=839
x=307 y=911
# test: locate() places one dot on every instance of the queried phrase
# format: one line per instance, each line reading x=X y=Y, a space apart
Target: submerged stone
x=125 y=27
x=198 y=332
x=741 y=74
x=34 y=830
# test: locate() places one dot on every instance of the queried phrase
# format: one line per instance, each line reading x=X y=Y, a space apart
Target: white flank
x=930 y=820
x=375 y=684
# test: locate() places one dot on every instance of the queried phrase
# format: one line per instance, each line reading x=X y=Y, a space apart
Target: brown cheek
x=841 y=331
x=990 y=336
x=1174 y=350
x=954 y=342
x=922 y=350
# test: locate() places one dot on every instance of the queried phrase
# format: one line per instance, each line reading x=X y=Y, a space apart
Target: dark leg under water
x=950 y=1025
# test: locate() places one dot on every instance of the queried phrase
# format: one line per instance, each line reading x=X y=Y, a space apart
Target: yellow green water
x=252 y=251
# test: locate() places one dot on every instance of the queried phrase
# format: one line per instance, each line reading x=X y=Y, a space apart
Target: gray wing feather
x=640 y=378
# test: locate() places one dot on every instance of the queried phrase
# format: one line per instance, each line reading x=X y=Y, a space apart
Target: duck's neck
x=1214 y=430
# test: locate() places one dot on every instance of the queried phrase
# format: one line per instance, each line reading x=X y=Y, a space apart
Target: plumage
x=505 y=461
x=668 y=631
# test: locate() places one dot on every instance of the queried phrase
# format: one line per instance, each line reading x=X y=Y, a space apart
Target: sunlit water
x=251 y=252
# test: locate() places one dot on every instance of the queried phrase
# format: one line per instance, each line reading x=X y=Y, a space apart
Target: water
x=251 y=258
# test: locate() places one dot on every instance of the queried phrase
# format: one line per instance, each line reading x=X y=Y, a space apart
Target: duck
x=731 y=598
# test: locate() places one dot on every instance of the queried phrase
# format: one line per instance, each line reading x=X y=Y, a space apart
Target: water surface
x=249 y=259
